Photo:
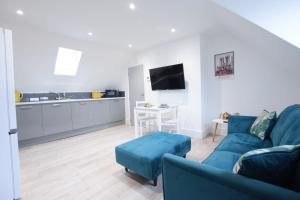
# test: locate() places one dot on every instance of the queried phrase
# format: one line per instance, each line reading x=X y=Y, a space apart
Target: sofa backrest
x=287 y=128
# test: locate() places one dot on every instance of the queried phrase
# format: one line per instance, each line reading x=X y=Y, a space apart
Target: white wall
x=261 y=80
x=35 y=54
x=186 y=51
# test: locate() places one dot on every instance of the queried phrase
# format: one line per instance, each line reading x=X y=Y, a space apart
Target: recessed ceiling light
x=132 y=6
x=173 y=30
x=90 y=33
x=20 y=12
x=130 y=45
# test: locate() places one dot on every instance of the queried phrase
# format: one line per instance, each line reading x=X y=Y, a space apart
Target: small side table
x=217 y=122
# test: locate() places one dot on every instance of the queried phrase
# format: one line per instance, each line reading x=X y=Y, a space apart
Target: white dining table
x=157 y=111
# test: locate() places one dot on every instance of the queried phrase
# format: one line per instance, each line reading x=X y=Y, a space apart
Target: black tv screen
x=167 y=78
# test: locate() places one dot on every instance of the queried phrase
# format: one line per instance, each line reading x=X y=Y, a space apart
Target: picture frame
x=224 y=64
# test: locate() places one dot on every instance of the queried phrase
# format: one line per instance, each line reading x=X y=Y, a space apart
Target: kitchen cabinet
x=82 y=114
x=29 y=121
x=117 y=110
x=101 y=112
x=54 y=120
x=57 y=118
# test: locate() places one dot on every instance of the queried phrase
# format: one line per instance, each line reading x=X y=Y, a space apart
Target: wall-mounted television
x=167 y=78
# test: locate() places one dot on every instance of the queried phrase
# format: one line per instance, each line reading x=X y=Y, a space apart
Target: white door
x=136 y=88
x=6 y=172
x=14 y=147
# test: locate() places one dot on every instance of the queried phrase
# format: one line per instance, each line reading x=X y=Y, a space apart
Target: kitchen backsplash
x=68 y=95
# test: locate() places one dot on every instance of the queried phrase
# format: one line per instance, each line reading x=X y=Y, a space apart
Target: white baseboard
x=127 y=122
x=200 y=134
x=210 y=129
x=222 y=131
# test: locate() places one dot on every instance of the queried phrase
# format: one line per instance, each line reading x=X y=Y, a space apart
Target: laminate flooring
x=84 y=168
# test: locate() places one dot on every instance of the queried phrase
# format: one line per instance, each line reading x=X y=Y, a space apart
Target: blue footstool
x=143 y=155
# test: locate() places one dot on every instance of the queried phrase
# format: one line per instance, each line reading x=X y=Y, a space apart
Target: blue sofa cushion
x=224 y=160
x=143 y=155
x=267 y=144
x=240 y=124
x=287 y=128
x=242 y=143
x=276 y=165
x=245 y=138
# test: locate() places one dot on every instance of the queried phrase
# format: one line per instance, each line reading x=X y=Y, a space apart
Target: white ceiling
x=282 y=18
x=113 y=23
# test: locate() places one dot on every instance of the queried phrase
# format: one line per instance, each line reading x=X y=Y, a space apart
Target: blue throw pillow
x=276 y=165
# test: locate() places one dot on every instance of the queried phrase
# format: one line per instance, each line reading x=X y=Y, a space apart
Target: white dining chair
x=145 y=120
x=173 y=122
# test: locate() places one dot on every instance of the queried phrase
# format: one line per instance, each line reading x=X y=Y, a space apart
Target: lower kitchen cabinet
x=29 y=120
x=117 y=110
x=101 y=112
x=57 y=118
x=82 y=114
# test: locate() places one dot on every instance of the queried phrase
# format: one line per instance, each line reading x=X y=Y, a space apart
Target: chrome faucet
x=59 y=97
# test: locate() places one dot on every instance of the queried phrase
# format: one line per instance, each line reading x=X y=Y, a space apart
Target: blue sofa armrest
x=186 y=179
x=240 y=124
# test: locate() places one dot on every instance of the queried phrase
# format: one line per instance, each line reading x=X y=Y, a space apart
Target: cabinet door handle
x=82 y=103
x=26 y=107
x=56 y=105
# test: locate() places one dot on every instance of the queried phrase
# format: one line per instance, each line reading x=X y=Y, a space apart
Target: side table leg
x=215 y=132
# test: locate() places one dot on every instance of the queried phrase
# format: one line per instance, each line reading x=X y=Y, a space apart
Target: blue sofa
x=213 y=179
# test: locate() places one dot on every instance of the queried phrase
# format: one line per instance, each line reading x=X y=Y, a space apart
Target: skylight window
x=67 y=62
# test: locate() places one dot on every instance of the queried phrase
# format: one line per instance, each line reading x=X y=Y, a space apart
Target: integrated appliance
x=167 y=78
x=114 y=93
x=9 y=150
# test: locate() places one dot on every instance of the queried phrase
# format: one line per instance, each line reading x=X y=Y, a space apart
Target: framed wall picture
x=224 y=64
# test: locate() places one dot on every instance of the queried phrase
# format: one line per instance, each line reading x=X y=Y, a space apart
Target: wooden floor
x=84 y=168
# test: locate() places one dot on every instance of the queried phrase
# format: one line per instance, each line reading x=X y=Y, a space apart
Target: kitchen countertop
x=64 y=101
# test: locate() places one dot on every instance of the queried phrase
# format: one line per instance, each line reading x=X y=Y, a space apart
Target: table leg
x=215 y=133
x=136 y=134
x=158 y=118
x=140 y=128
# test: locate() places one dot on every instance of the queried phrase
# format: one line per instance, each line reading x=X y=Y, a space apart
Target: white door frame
x=142 y=97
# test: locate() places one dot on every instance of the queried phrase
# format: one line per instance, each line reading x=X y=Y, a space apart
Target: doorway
x=136 y=88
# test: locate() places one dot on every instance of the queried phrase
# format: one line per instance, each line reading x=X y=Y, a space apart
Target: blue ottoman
x=143 y=155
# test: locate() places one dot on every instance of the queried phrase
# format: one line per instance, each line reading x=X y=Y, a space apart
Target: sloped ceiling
x=280 y=17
